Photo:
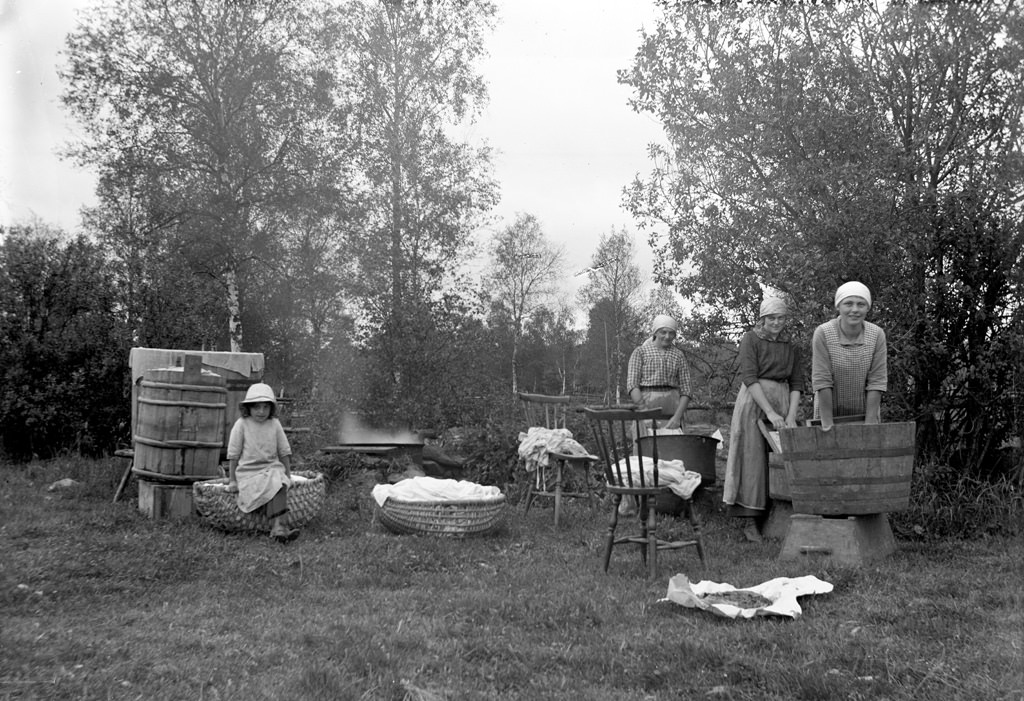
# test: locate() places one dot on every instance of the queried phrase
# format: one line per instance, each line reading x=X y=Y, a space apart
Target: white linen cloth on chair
x=537 y=442
x=671 y=473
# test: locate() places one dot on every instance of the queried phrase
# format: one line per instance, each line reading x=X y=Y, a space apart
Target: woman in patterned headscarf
x=849 y=362
x=771 y=384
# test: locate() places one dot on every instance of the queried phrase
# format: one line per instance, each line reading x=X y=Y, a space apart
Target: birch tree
x=524 y=275
x=409 y=73
x=612 y=293
x=220 y=109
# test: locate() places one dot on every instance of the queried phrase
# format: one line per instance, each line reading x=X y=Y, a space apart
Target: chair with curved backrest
x=614 y=431
x=551 y=411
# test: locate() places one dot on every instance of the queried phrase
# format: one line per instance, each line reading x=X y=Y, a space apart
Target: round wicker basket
x=448 y=518
x=220 y=508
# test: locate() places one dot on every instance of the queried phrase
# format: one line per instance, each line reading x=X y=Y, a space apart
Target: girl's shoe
x=284 y=535
x=751 y=533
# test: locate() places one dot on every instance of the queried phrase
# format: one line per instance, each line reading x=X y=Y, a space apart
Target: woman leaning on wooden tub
x=771 y=383
x=849 y=363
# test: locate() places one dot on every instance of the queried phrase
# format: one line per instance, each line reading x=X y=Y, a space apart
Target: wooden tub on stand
x=178 y=436
x=842 y=484
x=165 y=477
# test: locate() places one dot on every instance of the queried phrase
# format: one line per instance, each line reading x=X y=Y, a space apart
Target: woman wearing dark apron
x=771 y=383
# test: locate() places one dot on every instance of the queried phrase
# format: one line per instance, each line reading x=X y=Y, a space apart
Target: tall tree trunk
x=515 y=366
x=234 y=311
x=397 y=293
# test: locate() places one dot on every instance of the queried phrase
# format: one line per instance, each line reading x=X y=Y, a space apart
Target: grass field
x=100 y=602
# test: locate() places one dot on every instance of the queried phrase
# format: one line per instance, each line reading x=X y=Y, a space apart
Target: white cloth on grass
x=782 y=592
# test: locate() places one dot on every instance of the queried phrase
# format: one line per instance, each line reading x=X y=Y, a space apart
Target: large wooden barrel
x=854 y=469
x=179 y=430
x=239 y=370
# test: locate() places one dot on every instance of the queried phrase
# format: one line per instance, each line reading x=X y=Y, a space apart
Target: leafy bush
x=946 y=502
x=493 y=455
x=437 y=370
x=336 y=468
x=62 y=347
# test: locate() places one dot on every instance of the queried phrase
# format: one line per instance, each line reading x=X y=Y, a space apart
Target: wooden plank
x=851 y=452
x=862 y=479
x=770 y=435
x=854 y=418
x=193 y=369
x=165 y=501
x=778 y=479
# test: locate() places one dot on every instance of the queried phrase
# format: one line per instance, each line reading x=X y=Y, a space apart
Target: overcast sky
x=566 y=141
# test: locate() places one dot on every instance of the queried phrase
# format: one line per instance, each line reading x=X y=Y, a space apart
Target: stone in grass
x=64 y=485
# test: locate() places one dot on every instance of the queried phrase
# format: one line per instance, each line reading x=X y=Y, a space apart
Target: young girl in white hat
x=259 y=460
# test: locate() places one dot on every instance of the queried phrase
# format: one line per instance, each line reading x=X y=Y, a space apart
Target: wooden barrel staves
x=854 y=469
x=180 y=423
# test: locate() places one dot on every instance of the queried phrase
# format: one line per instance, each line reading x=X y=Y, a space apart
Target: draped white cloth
x=538 y=442
x=671 y=473
x=434 y=489
x=142 y=359
x=781 y=592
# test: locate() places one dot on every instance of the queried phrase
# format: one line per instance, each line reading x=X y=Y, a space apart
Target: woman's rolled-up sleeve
x=878 y=372
x=821 y=363
x=749 y=372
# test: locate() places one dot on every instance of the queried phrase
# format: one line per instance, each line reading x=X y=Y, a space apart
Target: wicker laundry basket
x=220 y=507
x=448 y=518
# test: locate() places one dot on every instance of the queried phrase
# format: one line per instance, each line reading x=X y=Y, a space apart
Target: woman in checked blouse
x=657 y=375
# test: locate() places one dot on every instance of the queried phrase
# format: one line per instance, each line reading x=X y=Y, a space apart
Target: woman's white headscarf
x=663 y=321
x=853 y=289
x=772 y=305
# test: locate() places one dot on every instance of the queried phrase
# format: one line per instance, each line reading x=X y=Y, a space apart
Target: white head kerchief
x=853 y=289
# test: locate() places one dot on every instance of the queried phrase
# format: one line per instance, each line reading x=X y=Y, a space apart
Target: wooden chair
x=549 y=411
x=614 y=432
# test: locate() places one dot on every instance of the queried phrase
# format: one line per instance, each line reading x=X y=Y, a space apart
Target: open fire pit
x=394 y=446
x=386 y=444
